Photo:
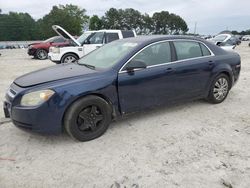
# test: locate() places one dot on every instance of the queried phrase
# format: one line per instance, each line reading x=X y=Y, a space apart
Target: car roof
x=107 y=30
x=156 y=38
x=149 y=39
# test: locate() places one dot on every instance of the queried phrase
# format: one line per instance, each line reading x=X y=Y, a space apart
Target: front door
x=144 y=88
x=94 y=41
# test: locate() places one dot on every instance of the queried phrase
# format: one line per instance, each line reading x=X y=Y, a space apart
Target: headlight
x=36 y=98
x=54 y=50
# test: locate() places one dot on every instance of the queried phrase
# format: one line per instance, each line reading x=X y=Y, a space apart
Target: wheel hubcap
x=89 y=118
x=220 y=89
x=42 y=54
x=69 y=59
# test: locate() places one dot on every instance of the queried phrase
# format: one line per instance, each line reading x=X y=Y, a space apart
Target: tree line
x=246 y=32
x=21 y=26
x=160 y=23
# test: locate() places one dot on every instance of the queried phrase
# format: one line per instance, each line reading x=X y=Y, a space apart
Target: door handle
x=168 y=70
x=210 y=63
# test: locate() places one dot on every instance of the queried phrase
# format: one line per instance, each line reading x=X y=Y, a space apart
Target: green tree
x=95 y=23
x=177 y=25
x=161 y=22
x=147 y=26
x=166 y=23
x=17 y=26
x=131 y=19
x=112 y=19
x=70 y=17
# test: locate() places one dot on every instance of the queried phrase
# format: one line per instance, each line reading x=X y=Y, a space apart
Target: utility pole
x=195 y=27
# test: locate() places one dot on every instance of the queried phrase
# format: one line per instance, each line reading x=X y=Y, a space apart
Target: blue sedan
x=119 y=78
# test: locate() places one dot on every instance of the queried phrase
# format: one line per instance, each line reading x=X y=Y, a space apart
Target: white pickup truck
x=87 y=42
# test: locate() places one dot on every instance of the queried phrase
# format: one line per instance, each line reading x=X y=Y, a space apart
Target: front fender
x=104 y=86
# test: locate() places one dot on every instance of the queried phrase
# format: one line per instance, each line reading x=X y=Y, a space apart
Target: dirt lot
x=190 y=145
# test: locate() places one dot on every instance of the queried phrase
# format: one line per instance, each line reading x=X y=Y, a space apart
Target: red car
x=41 y=50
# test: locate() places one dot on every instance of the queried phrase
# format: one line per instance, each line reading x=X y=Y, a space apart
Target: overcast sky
x=211 y=16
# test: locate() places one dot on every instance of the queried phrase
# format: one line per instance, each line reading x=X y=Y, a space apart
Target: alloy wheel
x=42 y=54
x=69 y=59
x=89 y=119
x=220 y=89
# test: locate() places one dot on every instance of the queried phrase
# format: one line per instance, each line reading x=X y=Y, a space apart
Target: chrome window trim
x=172 y=62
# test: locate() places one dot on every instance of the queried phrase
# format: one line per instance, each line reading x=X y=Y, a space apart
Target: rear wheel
x=69 y=58
x=41 y=54
x=88 y=118
x=219 y=89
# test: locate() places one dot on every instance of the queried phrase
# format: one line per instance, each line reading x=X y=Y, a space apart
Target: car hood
x=40 y=45
x=62 y=32
x=57 y=72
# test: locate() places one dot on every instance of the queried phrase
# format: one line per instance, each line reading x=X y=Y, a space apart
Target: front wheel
x=88 y=118
x=69 y=58
x=219 y=89
x=41 y=54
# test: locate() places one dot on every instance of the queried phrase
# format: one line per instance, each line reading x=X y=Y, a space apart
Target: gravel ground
x=191 y=145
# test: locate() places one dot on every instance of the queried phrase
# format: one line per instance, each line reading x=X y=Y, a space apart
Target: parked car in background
x=86 y=43
x=206 y=37
x=246 y=38
x=225 y=41
x=40 y=50
x=119 y=78
x=2 y=46
x=239 y=36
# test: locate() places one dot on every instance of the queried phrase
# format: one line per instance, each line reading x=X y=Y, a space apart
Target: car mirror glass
x=135 y=64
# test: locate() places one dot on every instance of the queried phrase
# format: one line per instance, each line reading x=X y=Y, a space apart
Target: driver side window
x=97 y=38
x=155 y=54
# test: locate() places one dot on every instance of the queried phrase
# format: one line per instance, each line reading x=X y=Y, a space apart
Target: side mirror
x=218 y=43
x=86 y=41
x=135 y=65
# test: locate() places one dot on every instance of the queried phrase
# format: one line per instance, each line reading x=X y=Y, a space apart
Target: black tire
x=81 y=116
x=219 y=89
x=69 y=58
x=41 y=54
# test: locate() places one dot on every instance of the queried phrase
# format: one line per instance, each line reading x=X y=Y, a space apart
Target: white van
x=87 y=42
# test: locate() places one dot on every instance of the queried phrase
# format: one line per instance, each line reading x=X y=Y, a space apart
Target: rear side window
x=187 y=49
x=111 y=37
x=127 y=34
x=205 y=51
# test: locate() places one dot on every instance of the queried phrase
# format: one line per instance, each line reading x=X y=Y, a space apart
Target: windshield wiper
x=87 y=65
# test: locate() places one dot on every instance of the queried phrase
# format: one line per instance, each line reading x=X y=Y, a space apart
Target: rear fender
x=221 y=68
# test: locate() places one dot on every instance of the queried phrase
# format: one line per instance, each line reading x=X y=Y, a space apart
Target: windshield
x=83 y=37
x=108 y=55
x=219 y=38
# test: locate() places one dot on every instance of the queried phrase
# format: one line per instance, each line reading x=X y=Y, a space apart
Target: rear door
x=110 y=37
x=193 y=65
